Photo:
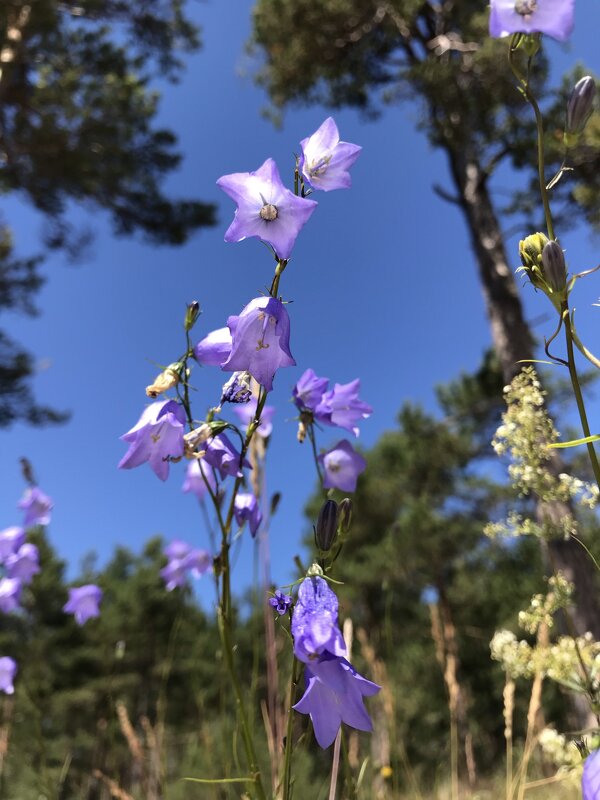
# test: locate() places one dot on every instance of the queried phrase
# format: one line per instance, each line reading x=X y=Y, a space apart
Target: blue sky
x=382 y=280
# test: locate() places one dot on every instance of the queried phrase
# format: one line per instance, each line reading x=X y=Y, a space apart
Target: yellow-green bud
x=345 y=516
x=530 y=250
x=192 y=313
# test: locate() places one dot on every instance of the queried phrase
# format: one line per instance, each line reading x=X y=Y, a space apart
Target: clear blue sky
x=382 y=280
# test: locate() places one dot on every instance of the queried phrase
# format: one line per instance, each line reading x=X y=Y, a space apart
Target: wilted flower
x=590 y=781
x=156 y=437
x=214 y=349
x=246 y=509
x=554 y=17
x=265 y=208
x=10 y=594
x=260 y=340
x=280 y=602
x=10 y=540
x=37 y=507
x=223 y=456
x=342 y=407
x=237 y=389
x=334 y=694
x=325 y=160
x=8 y=670
x=168 y=378
x=246 y=414
x=341 y=466
x=194 y=482
x=84 y=602
x=23 y=564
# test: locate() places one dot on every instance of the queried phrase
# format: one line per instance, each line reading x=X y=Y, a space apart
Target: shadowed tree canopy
x=77 y=115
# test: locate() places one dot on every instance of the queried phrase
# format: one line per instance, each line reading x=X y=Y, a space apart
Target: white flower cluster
x=561 y=751
x=543 y=607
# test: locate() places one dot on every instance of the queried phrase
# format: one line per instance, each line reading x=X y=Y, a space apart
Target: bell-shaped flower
x=8 y=670
x=84 y=602
x=334 y=694
x=156 y=437
x=37 y=507
x=23 y=564
x=260 y=340
x=265 y=208
x=246 y=509
x=222 y=455
x=553 y=17
x=10 y=594
x=246 y=414
x=214 y=349
x=315 y=621
x=308 y=391
x=281 y=602
x=195 y=483
x=341 y=467
x=590 y=780
x=325 y=160
x=10 y=540
x=342 y=407
x=183 y=559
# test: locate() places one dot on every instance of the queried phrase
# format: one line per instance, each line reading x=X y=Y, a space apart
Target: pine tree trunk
x=513 y=342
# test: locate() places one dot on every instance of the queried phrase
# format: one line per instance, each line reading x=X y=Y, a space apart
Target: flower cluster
x=334 y=689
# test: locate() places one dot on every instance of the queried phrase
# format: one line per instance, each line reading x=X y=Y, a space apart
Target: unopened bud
x=327 y=523
x=166 y=380
x=192 y=313
x=314 y=571
x=580 y=105
x=345 y=515
x=530 y=250
x=555 y=270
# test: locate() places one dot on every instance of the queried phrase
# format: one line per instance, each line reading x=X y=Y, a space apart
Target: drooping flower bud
x=327 y=523
x=580 y=105
x=192 y=313
x=553 y=263
x=345 y=515
x=166 y=380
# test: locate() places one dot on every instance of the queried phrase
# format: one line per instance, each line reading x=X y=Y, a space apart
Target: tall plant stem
x=287 y=763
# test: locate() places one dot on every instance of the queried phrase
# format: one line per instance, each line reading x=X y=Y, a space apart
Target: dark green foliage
x=77 y=114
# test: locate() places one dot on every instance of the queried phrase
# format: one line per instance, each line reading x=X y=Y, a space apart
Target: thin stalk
x=313 y=444
x=578 y=394
x=287 y=763
x=335 y=765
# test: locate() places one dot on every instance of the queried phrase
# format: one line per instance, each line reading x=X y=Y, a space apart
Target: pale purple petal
x=214 y=349
x=341 y=466
x=325 y=160
x=590 y=781
x=37 y=507
x=222 y=455
x=8 y=670
x=195 y=483
x=10 y=540
x=315 y=621
x=155 y=438
x=309 y=390
x=553 y=17
x=342 y=407
x=23 y=564
x=10 y=594
x=246 y=414
x=247 y=509
x=84 y=602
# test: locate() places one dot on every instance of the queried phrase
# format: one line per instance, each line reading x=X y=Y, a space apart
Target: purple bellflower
x=214 y=349
x=315 y=621
x=23 y=564
x=341 y=466
x=281 y=602
x=554 y=17
x=246 y=414
x=342 y=407
x=309 y=391
x=84 y=602
x=37 y=507
x=325 y=160
x=265 y=208
x=246 y=509
x=194 y=482
x=10 y=540
x=156 y=437
x=590 y=781
x=222 y=455
x=334 y=694
x=334 y=690
x=260 y=340
x=183 y=559
x=8 y=670
x=10 y=594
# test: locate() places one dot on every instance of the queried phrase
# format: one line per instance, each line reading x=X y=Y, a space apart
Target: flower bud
x=327 y=521
x=345 y=515
x=166 y=380
x=530 y=250
x=553 y=263
x=580 y=105
x=192 y=313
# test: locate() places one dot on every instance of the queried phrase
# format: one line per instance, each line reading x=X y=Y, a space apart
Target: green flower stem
x=313 y=444
x=287 y=762
x=524 y=85
x=578 y=394
x=583 y=349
